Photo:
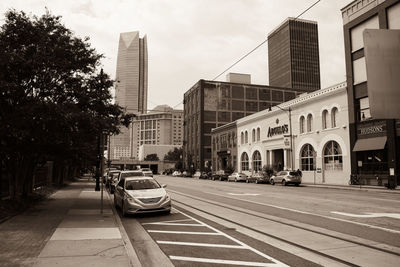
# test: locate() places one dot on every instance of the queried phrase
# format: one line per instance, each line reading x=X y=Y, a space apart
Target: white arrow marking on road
x=369 y=215
x=243 y=194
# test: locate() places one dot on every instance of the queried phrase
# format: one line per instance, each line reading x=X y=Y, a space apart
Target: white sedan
x=237 y=177
x=141 y=195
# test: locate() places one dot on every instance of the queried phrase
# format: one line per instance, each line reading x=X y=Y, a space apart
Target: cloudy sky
x=190 y=40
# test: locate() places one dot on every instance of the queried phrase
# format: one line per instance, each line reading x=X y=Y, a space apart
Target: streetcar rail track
x=283 y=223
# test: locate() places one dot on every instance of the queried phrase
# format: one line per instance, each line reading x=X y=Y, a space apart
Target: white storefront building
x=314 y=126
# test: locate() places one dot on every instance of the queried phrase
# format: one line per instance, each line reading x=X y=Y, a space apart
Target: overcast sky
x=190 y=40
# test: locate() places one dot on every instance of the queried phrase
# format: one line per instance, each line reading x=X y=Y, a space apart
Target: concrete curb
x=355 y=188
x=130 y=251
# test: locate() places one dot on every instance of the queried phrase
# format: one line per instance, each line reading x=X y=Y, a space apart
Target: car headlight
x=167 y=197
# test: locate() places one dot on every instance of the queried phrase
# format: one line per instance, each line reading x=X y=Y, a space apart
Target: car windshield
x=141 y=184
x=131 y=174
x=293 y=173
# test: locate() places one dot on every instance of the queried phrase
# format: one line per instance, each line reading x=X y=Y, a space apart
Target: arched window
x=253 y=133
x=309 y=123
x=302 y=124
x=334 y=117
x=241 y=138
x=246 y=137
x=257 y=161
x=244 y=159
x=307 y=158
x=324 y=119
x=333 y=160
x=258 y=134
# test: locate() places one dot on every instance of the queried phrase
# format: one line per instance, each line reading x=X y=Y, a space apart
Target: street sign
x=382 y=60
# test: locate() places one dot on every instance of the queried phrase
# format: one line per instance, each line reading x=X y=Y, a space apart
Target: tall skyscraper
x=293 y=55
x=131 y=86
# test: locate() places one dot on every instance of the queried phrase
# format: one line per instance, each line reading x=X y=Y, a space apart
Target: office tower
x=131 y=86
x=293 y=56
x=375 y=143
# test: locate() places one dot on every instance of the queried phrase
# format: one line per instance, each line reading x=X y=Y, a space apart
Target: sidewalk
x=67 y=230
x=370 y=188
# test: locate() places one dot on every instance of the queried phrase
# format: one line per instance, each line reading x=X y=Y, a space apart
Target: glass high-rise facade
x=131 y=86
x=293 y=55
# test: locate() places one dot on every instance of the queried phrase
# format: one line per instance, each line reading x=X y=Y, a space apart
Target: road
x=239 y=224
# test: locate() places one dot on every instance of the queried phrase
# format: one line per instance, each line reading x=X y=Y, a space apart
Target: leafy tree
x=152 y=157
x=54 y=103
x=174 y=155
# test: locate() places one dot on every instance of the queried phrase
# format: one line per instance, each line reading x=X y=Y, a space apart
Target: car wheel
x=283 y=182
x=297 y=184
x=272 y=181
x=256 y=181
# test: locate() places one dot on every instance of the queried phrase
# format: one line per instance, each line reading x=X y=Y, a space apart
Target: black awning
x=375 y=143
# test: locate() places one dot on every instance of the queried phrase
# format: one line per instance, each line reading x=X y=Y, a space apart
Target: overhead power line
x=263 y=42
x=254 y=49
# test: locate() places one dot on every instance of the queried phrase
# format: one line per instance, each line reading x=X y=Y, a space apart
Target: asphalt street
x=216 y=222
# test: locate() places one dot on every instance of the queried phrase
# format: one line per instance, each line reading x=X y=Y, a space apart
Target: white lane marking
x=199 y=244
x=369 y=215
x=176 y=224
x=293 y=210
x=184 y=220
x=182 y=232
x=236 y=240
x=243 y=194
x=242 y=263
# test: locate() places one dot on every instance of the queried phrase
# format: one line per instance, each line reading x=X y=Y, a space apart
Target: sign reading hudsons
x=278 y=130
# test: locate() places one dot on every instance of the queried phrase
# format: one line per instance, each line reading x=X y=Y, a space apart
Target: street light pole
x=289 y=110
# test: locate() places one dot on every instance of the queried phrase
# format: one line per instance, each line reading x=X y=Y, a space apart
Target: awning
x=375 y=143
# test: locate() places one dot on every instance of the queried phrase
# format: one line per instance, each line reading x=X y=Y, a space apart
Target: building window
x=324 y=119
x=365 y=112
x=393 y=15
x=302 y=124
x=309 y=123
x=244 y=161
x=246 y=137
x=333 y=160
x=359 y=71
x=357 y=41
x=256 y=161
x=241 y=138
x=258 y=134
x=254 y=135
x=334 y=113
x=307 y=158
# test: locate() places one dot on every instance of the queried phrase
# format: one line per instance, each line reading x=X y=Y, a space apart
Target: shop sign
x=372 y=129
x=278 y=130
x=286 y=141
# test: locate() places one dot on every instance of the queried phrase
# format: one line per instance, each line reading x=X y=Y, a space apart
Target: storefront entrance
x=278 y=159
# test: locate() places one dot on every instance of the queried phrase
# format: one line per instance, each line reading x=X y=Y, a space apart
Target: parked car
x=221 y=175
x=123 y=174
x=237 y=177
x=286 y=177
x=177 y=174
x=147 y=172
x=110 y=177
x=258 y=178
x=186 y=174
x=197 y=174
x=141 y=195
x=205 y=175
